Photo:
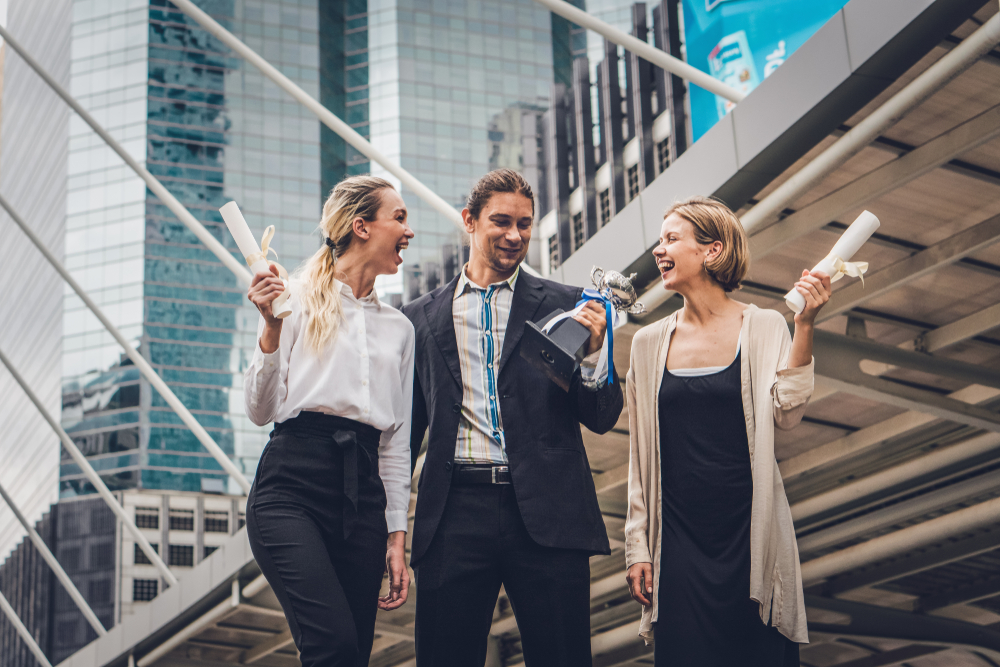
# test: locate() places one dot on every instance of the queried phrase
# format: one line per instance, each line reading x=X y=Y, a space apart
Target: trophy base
x=558 y=353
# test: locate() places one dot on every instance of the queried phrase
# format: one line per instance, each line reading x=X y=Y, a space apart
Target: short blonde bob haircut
x=713 y=221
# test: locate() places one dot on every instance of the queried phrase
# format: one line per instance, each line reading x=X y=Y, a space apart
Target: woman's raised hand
x=815 y=289
x=264 y=289
x=640 y=583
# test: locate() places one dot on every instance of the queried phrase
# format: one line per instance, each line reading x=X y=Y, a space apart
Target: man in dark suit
x=506 y=495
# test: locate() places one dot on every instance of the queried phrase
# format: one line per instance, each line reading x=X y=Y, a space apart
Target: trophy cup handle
x=597 y=276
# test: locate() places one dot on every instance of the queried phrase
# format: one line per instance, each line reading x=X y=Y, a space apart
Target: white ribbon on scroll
x=256 y=256
x=837 y=264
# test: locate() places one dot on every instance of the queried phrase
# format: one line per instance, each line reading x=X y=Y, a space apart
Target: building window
x=66 y=635
x=181 y=519
x=139 y=557
x=578 y=231
x=69 y=557
x=144 y=590
x=553 y=252
x=99 y=592
x=216 y=521
x=663 y=155
x=147 y=517
x=102 y=555
x=605 y=198
x=209 y=551
x=242 y=519
x=633 y=181
x=182 y=555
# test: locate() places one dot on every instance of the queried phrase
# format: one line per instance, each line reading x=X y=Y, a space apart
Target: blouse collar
x=346 y=291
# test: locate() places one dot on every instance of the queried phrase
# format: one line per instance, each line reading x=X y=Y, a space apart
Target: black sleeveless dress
x=706 y=617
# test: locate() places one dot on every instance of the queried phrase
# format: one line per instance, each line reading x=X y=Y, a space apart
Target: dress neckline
x=707 y=370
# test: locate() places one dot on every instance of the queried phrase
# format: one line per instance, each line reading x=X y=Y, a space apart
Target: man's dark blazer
x=541 y=422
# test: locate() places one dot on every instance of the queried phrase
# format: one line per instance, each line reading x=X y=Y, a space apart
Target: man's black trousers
x=326 y=578
x=481 y=543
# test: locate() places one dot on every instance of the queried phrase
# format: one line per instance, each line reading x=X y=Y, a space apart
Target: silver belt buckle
x=497 y=470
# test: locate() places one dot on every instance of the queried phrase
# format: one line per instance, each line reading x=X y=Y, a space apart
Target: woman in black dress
x=710 y=547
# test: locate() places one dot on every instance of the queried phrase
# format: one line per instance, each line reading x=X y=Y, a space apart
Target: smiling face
x=679 y=256
x=388 y=234
x=501 y=233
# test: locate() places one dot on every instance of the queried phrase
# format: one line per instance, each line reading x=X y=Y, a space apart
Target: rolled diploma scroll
x=843 y=250
x=247 y=244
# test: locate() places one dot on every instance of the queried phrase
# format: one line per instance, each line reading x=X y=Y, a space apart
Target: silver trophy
x=559 y=351
x=617 y=290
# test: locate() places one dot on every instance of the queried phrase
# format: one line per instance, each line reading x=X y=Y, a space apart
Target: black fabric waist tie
x=350 y=436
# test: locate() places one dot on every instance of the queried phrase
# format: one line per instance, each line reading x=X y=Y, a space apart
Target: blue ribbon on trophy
x=557 y=347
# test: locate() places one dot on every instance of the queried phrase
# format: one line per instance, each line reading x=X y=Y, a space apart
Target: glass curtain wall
x=439 y=73
x=212 y=130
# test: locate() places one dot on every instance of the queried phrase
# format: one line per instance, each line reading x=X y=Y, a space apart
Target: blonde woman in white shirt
x=710 y=546
x=327 y=513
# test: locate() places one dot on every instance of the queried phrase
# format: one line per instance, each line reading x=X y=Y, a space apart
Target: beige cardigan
x=769 y=388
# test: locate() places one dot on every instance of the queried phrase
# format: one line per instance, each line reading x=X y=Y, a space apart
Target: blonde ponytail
x=354 y=197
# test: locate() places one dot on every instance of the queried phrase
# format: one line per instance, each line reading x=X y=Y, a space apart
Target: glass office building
x=425 y=80
x=212 y=130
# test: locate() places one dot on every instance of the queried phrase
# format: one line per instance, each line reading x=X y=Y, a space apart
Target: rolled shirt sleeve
x=791 y=392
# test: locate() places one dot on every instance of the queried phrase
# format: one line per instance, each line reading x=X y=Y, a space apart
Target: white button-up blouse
x=364 y=374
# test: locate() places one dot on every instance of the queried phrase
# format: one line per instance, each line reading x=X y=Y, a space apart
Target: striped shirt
x=480 y=315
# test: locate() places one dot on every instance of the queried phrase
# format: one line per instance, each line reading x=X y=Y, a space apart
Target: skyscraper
x=212 y=130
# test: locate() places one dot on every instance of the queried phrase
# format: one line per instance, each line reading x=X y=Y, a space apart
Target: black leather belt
x=467 y=473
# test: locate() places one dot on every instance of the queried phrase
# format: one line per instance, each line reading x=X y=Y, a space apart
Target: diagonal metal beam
x=819 y=458
x=947 y=551
x=868 y=620
x=979 y=589
x=890 y=176
x=651 y=54
x=928 y=503
x=907 y=475
x=959 y=330
x=57 y=569
x=948 y=251
x=838 y=359
x=909 y=398
x=140 y=362
x=267 y=647
x=91 y=475
x=895 y=657
x=901 y=541
x=218 y=613
x=23 y=631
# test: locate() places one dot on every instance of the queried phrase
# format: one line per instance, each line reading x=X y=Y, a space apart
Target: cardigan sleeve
x=792 y=386
x=637 y=515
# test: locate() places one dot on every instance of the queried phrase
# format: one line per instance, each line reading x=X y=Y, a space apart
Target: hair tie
x=330 y=242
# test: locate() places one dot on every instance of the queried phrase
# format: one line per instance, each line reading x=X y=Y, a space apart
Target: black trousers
x=481 y=543
x=321 y=549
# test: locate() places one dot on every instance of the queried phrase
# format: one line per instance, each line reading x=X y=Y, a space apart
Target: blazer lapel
x=528 y=296
x=439 y=314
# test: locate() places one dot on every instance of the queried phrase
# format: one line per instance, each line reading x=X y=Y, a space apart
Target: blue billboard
x=741 y=42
